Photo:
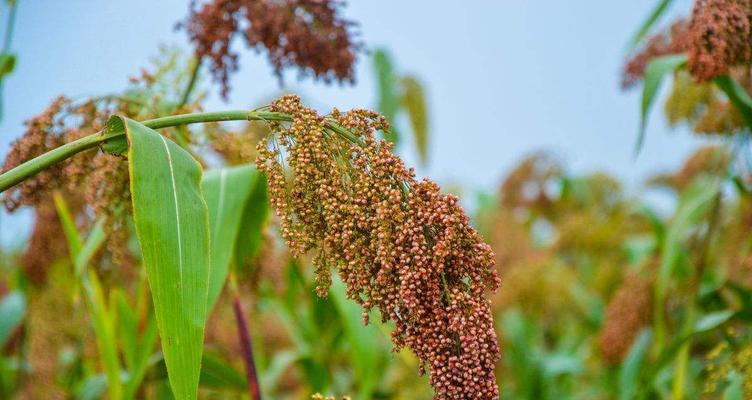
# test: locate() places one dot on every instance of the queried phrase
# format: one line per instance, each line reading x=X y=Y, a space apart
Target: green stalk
x=682 y=359
x=52 y=157
x=191 y=83
x=11 y=23
x=13 y=6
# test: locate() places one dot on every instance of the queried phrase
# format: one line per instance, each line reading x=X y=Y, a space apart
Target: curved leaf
x=101 y=318
x=654 y=73
x=104 y=329
x=172 y=225
x=629 y=375
x=648 y=24
x=138 y=341
x=711 y=321
x=414 y=101
x=388 y=98
x=364 y=355
x=734 y=390
x=226 y=192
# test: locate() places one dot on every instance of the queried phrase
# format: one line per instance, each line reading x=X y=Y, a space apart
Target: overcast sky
x=504 y=77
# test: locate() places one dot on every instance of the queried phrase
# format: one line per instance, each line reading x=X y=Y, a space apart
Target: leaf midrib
x=177 y=214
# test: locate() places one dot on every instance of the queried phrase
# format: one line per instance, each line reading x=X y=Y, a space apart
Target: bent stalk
x=32 y=167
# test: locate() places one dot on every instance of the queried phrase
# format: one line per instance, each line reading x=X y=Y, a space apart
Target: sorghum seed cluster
x=309 y=34
x=40 y=136
x=96 y=180
x=628 y=311
x=720 y=36
x=717 y=38
x=399 y=245
x=675 y=41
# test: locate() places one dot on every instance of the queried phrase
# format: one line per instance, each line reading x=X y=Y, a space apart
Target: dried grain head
x=399 y=244
x=308 y=34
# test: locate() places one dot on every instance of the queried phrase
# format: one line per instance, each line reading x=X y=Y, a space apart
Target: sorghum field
x=163 y=240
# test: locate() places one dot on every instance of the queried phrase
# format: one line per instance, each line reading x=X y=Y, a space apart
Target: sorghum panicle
x=707 y=160
x=309 y=34
x=399 y=244
x=95 y=180
x=717 y=38
x=41 y=136
x=44 y=245
x=674 y=41
x=628 y=311
x=720 y=37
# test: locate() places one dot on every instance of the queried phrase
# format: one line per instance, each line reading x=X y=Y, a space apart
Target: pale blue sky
x=504 y=77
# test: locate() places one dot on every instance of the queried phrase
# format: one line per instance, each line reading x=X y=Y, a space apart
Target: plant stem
x=13 y=6
x=191 y=84
x=682 y=359
x=7 y=41
x=254 y=390
x=52 y=157
x=46 y=160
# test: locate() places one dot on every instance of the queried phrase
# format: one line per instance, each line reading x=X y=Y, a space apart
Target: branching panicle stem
x=46 y=160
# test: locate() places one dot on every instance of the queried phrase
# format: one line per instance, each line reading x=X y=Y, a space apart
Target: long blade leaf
x=629 y=375
x=364 y=355
x=172 y=225
x=103 y=324
x=388 y=99
x=649 y=22
x=104 y=329
x=414 y=101
x=654 y=74
x=226 y=192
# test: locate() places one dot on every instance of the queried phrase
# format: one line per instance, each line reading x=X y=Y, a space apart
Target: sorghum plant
x=399 y=245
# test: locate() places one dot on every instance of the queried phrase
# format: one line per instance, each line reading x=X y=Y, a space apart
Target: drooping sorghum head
x=91 y=181
x=62 y=122
x=42 y=134
x=528 y=185
x=44 y=247
x=399 y=244
x=707 y=160
x=628 y=311
x=674 y=41
x=720 y=37
x=309 y=34
x=717 y=38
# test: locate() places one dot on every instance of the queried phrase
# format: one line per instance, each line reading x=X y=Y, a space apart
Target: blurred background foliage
x=606 y=293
